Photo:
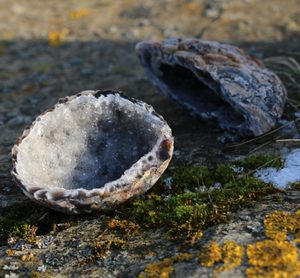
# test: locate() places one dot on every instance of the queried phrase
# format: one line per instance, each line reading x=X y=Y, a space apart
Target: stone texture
x=98 y=53
x=216 y=81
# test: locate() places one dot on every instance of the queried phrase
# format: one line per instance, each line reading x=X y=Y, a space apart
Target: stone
x=216 y=81
x=92 y=151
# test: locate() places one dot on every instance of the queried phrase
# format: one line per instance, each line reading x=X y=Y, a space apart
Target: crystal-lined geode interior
x=90 y=146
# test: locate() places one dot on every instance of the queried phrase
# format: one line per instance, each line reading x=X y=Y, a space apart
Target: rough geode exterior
x=140 y=177
x=241 y=81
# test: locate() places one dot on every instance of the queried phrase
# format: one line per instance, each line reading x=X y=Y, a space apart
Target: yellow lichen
x=297 y=237
x=211 y=254
x=125 y=226
x=10 y=252
x=35 y=274
x=297 y=227
x=56 y=38
x=231 y=255
x=103 y=248
x=164 y=268
x=35 y=241
x=28 y=257
x=279 y=224
x=272 y=258
x=76 y=14
x=161 y=269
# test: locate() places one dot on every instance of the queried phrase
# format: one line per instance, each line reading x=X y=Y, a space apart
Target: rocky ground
x=50 y=49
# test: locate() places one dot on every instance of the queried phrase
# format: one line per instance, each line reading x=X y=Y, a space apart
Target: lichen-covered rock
x=216 y=81
x=92 y=151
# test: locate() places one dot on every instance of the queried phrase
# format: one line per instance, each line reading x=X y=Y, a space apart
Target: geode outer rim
x=80 y=200
x=173 y=49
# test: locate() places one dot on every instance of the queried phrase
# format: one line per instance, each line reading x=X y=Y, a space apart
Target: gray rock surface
x=96 y=51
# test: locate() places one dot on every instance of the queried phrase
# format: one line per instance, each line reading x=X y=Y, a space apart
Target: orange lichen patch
x=211 y=254
x=272 y=258
x=292 y=271
x=28 y=257
x=34 y=241
x=231 y=255
x=192 y=7
x=56 y=38
x=279 y=224
x=10 y=252
x=76 y=14
x=163 y=268
x=297 y=227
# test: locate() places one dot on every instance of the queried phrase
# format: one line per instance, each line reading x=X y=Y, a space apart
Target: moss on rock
x=198 y=197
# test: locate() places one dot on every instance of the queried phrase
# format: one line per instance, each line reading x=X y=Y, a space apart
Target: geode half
x=216 y=81
x=92 y=151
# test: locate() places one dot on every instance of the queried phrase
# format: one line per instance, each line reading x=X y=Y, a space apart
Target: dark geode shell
x=216 y=81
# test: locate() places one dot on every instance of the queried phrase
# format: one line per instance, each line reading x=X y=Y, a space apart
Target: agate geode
x=216 y=81
x=92 y=151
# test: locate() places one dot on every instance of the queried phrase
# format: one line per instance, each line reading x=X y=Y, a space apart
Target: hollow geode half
x=216 y=81
x=92 y=151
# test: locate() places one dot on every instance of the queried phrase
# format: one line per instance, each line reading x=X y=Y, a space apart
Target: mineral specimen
x=92 y=151
x=216 y=81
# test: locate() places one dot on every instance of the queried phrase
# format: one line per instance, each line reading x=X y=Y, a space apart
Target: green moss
x=26 y=220
x=18 y=222
x=185 y=216
x=253 y=162
x=224 y=174
x=148 y=211
x=191 y=177
x=194 y=203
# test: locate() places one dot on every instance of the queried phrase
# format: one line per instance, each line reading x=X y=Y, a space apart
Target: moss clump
x=21 y=230
x=194 y=202
x=197 y=198
x=254 y=162
x=191 y=178
x=224 y=174
x=188 y=217
x=19 y=222
x=25 y=221
x=201 y=177
x=164 y=268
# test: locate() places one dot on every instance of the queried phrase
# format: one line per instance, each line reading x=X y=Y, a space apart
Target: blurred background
x=54 y=48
